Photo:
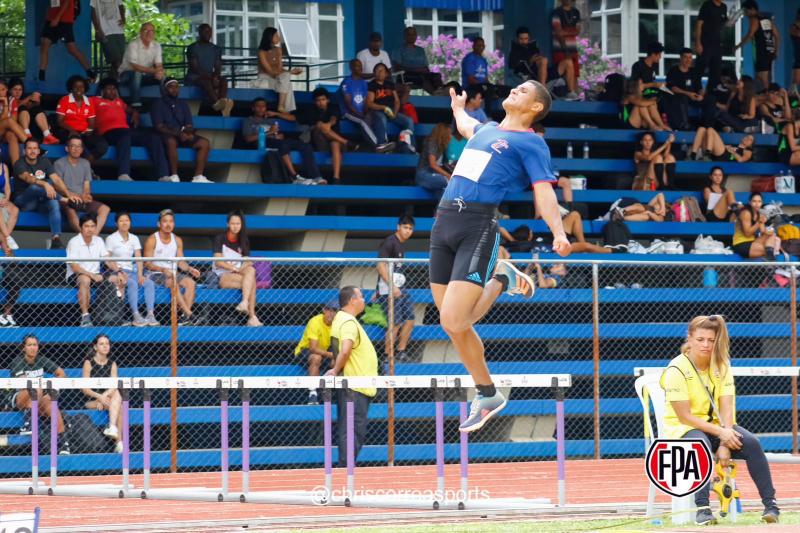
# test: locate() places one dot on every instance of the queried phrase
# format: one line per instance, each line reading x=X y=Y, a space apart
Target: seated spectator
x=30 y=364
x=373 y=55
x=37 y=186
x=164 y=244
x=740 y=112
x=384 y=106
x=24 y=107
x=59 y=26
x=639 y=112
x=644 y=71
x=521 y=239
x=474 y=67
x=9 y=213
x=565 y=22
x=315 y=344
x=142 y=63
x=708 y=145
x=720 y=202
x=393 y=247
x=14 y=278
x=776 y=109
x=752 y=238
x=412 y=61
x=431 y=172
x=234 y=273
x=554 y=277
x=10 y=130
x=76 y=173
x=324 y=118
x=271 y=74
x=474 y=104
x=655 y=167
x=75 y=115
x=172 y=119
x=525 y=60
x=454 y=148
x=99 y=364
x=632 y=210
x=108 y=17
x=86 y=274
x=112 y=122
x=122 y=246
x=679 y=82
x=788 y=147
x=205 y=70
x=353 y=91
x=268 y=120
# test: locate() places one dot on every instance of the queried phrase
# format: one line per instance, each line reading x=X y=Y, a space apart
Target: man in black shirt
x=324 y=118
x=644 y=70
x=679 y=81
x=708 y=43
x=525 y=61
x=393 y=247
x=767 y=41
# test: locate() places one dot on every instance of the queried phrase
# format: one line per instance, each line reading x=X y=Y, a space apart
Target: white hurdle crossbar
x=328 y=384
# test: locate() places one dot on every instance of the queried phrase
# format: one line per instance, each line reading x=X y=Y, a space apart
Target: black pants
x=734 y=122
x=710 y=59
x=123 y=138
x=677 y=108
x=751 y=451
x=360 y=407
x=285 y=147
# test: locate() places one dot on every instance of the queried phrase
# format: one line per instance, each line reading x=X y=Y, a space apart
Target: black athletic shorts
x=62 y=32
x=464 y=243
x=763 y=62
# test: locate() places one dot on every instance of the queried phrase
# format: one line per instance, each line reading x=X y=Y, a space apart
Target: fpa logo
x=679 y=467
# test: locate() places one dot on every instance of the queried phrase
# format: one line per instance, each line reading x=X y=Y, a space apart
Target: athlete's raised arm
x=547 y=205
x=465 y=123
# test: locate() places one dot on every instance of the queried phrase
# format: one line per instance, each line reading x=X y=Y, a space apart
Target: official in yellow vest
x=701 y=404
x=354 y=355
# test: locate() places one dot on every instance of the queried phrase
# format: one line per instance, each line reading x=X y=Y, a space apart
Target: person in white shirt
x=108 y=17
x=233 y=272
x=142 y=63
x=372 y=55
x=122 y=246
x=87 y=245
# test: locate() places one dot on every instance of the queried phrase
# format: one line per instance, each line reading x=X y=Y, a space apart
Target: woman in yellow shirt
x=752 y=237
x=701 y=372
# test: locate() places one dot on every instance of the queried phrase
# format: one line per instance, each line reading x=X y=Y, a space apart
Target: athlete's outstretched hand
x=561 y=246
x=457 y=102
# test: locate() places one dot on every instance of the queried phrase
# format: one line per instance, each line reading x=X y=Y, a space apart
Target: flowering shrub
x=594 y=66
x=445 y=53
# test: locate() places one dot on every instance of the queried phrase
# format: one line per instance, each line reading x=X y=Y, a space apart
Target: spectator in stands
x=373 y=55
x=14 y=278
x=37 y=186
x=384 y=107
x=411 y=59
x=172 y=119
x=354 y=355
x=10 y=130
x=353 y=90
x=268 y=120
x=9 y=213
x=566 y=23
x=122 y=246
x=112 y=122
x=454 y=148
x=752 y=238
x=58 y=26
x=644 y=71
x=25 y=107
x=720 y=201
x=788 y=146
x=639 y=112
x=474 y=67
x=234 y=272
x=740 y=112
x=679 y=81
x=432 y=173
x=205 y=70
x=30 y=364
x=315 y=344
x=75 y=115
x=525 y=60
x=393 y=247
x=555 y=275
x=708 y=32
x=108 y=17
x=474 y=105
x=99 y=364
x=324 y=118
x=767 y=40
x=776 y=108
x=166 y=245
x=76 y=173
x=271 y=74
x=655 y=167
x=87 y=245
x=142 y=63
x=704 y=408
x=521 y=238
x=708 y=145
x=631 y=210
x=794 y=32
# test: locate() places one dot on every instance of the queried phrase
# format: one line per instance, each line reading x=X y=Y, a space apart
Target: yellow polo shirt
x=363 y=360
x=682 y=382
x=318 y=330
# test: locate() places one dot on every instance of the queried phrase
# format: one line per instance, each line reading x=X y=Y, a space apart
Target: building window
x=458 y=23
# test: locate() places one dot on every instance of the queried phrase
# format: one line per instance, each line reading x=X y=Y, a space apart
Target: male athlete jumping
x=498 y=159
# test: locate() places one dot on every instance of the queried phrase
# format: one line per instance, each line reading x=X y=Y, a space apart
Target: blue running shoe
x=482 y=409
x=512 y=273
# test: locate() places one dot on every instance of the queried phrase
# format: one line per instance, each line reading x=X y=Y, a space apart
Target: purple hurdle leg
x=327 y=439
x=53 y=434
x=245 y=395
x=464 y=447
x=560 y=448
x=438 y=398
x=351 y=445
x=33 y=393
x=126 y=443
x=146 y=436
x=223 y=425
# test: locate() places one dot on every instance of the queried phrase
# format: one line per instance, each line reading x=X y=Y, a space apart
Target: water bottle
x=586 y=150
x=709 y=277
x=262 y=138
x=569 y=150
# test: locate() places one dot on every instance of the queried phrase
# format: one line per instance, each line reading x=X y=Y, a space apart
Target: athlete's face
x=522 y=98
x=404 y=232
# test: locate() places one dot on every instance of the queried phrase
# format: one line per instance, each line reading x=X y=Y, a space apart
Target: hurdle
x=558 y=383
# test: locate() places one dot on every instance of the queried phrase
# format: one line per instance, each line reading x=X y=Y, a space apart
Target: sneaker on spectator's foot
x=3 y=321
x=319 y=181
x=572 y=95
x=300 y=180
x=312 y=397
x=25 y=428
x=138 y=321
x=174 y=178
x=184 y=320
x=12 y=243
x=63 y=445
x=705 y=517
x=50 y=139
x=512 y=273
x=482 y=409
x=111 y=432
x=165 y=179
x=118 y=447
x=385 y=147
x=86 y=321
x=401 y=356
x=241 y=308
x=150 y=320
x=771 y=513
x=56 y=244
x=124 y=177
x=228 y=107
x=617 y=248
x=201 y=179
x=10 y=320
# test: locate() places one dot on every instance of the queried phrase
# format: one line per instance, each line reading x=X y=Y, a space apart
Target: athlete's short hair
x=542 y=95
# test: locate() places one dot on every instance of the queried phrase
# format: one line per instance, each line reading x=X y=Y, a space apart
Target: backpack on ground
x=613 y=87
x=85 y=437
x=616 y=232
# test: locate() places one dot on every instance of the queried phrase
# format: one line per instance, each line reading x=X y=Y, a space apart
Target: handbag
x=373 y=314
